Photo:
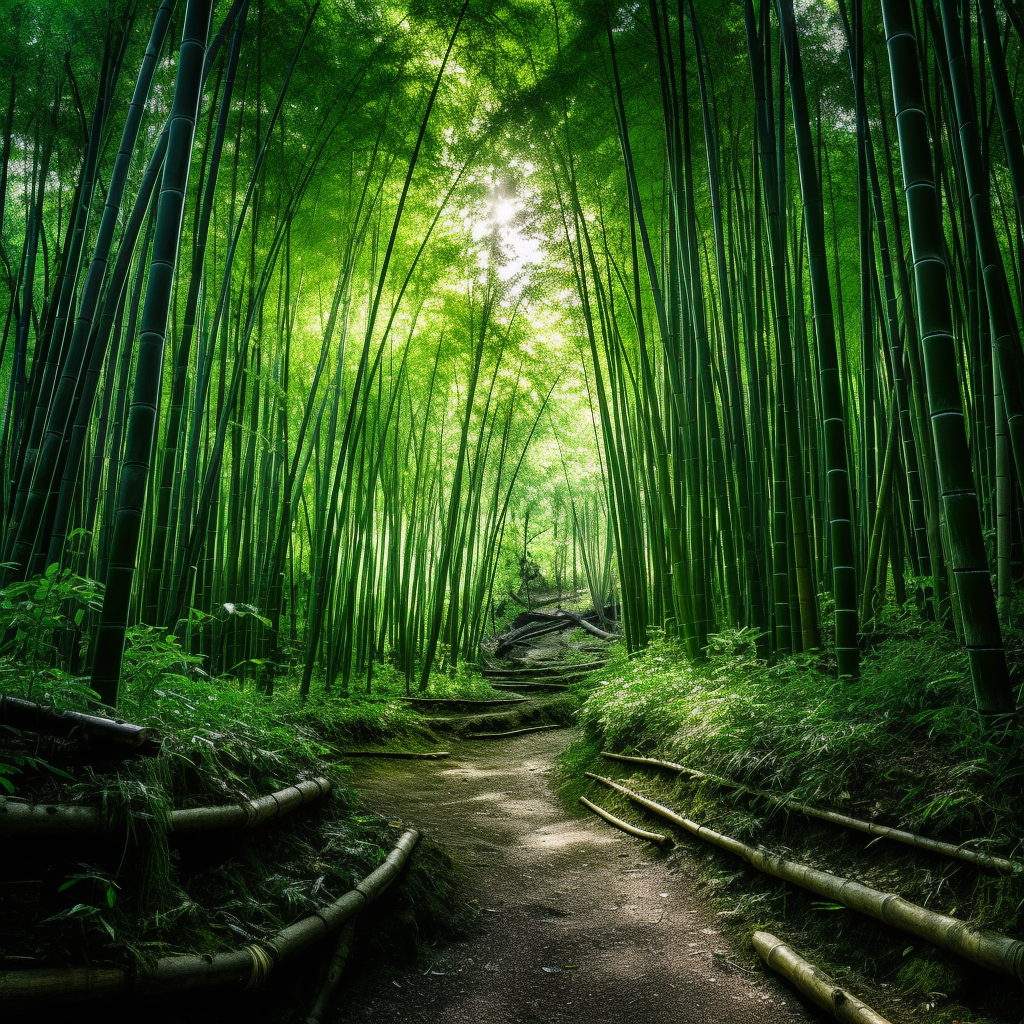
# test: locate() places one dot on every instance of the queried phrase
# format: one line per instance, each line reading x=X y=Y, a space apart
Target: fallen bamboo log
x=457 y=702
x=29 y=716
x=38 y=819
x=631 y=830
x=988 y=949
x=527 y=687
x=246 y=968
x=818 y=987
x=408 y=755
x=511 y=732
x=342 y=951
x=544 y=672
x=960 y=852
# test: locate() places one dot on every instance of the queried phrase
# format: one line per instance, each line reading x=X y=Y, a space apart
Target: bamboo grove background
x=270 y=379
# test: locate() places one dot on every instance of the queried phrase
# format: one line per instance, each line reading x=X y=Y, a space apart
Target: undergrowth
x=901 y=746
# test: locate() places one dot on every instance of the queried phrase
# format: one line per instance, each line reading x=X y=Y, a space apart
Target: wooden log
x=29 y=716
x=988 y=949
x=638 y=833
x=814 y=984
x=511 y=732
x=960 y=852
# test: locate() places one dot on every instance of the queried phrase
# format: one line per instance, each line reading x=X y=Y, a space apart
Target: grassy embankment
x=900 y=747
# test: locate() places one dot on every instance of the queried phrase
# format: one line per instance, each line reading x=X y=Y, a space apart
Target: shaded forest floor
x=575 y=922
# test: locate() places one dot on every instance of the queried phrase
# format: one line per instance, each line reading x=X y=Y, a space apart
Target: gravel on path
x=579 y=923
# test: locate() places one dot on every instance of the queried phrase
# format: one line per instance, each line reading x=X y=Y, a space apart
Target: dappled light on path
x=576 y=921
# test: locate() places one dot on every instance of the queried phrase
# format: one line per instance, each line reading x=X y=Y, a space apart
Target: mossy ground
x=901 y=747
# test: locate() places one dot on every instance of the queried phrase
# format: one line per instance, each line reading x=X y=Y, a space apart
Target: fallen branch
x=29 y=716
x=412 y=755
x=986 y=860
x=989 y=949
x=541 y=623
x=444 y=702
x=246 y=968
x=37 y=819
x=819 y=987
x=511 y=732
x=638 y=833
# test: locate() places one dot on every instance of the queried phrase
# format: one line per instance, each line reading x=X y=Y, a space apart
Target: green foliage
x=39 y=617
x=904 y=737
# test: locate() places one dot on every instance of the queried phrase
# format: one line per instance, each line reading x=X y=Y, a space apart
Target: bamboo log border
x=246 y=968
x=527 y=687
x=39 y=819
x=460 y=702
x=624 y=826
x=986 y=948
x=985 y=860
x=30 y=716
x=814 y=984
x=556 y=670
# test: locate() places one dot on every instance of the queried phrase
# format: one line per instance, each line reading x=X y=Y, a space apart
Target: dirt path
x=555 y=890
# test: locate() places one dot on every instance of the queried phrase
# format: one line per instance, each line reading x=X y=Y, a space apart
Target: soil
x=577 y=922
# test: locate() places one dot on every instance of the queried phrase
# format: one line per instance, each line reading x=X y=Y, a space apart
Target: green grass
x=902 y=746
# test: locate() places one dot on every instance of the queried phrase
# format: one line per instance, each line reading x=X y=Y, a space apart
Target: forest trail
x=554 y=890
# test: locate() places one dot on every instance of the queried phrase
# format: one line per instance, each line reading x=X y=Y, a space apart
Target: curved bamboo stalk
x=985 y=860
x=245 y=968
x=817 y=986
x=988 y=949
x=631 y=830
x=24 y=818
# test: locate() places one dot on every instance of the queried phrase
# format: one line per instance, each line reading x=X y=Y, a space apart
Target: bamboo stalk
x=813 y=983
x=872 y=828
x=989 y=949
x=631 y=830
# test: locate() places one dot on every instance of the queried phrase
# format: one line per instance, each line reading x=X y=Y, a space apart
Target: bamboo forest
x=451 y=444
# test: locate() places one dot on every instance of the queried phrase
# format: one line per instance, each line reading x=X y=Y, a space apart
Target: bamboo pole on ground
x=25 y=818
x=813 y=983
x=624 y=826
x=988 y=949
x=985 y=860
x=246 y=968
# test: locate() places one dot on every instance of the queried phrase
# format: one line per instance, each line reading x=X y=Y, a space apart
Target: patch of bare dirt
x=578 y=923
